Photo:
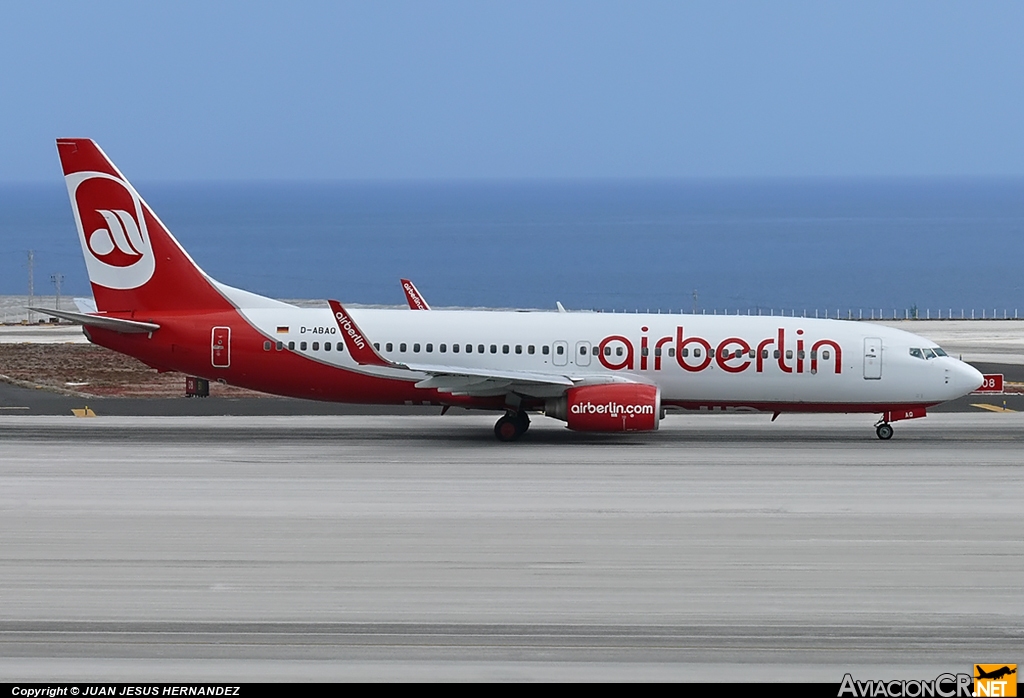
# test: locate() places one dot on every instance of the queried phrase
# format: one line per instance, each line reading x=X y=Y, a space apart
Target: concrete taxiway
x=350 y=547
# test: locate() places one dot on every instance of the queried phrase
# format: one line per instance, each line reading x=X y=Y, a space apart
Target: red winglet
x=413 y=296
x=360 y=347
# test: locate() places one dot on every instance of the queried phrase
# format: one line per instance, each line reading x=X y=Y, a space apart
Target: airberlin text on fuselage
x=732 y=355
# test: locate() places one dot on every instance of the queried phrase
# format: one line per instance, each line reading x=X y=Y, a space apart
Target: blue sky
x=437 y=90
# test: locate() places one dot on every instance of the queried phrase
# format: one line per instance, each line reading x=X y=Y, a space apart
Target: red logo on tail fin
x=112 y=230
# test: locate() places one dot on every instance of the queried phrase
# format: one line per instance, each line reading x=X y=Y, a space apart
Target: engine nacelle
x=609 y=407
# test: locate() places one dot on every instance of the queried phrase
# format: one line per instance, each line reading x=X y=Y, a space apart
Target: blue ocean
x=759 y=246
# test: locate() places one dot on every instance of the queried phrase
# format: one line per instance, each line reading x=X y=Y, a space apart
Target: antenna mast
x=31 y=282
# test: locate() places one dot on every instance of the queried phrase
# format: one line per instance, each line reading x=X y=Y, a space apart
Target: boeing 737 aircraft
x=594 y=371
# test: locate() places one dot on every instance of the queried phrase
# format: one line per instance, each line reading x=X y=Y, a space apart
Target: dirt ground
x=86 y=369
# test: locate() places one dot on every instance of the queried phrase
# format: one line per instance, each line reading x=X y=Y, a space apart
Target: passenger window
x=583 y=351
x=327 y=346
x=752 y=354
x=479 y=348
x=607 y=351
x=545 y=350
x=685 y=352
x=789 y=353
x=494 y=348
x=800 y=354
x=443 y=348
x=266 y=346
x=316 y=346
x=430 y=348
x=775 y=354
x=469 y=348
x=341 y=346
x=401 y=347
x=594 y=350
x=455 y=348
x=389 y=346
x=504 y=349
x=519 y=348
x=671 y=351
x=560 y=350
x=657 y=351
x=696 y=351
x=280 y=346
x=825 y=355
x=644 y=351
x=814 y=355
x=530 y=349
x=376 y=345
x=711 y=353
x=618 y=351
x=764 y=353
x=416 y=348
x=302 y=346
x=291 y=346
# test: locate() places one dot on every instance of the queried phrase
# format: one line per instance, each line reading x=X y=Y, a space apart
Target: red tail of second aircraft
x=134 y=262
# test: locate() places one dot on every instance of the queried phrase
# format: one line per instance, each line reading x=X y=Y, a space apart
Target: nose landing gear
x=512 y=426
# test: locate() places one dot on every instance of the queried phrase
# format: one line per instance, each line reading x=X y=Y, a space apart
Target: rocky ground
x=89 y=370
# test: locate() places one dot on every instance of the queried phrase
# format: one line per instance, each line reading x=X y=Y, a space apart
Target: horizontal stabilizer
x=102 y=322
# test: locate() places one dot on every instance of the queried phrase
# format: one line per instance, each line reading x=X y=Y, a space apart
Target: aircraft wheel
x=884 y=431
x=523 y=421
x=508 y=429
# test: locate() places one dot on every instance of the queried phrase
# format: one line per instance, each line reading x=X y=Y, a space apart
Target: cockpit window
x=916 y=353
x=928 y=353
x=940 y=352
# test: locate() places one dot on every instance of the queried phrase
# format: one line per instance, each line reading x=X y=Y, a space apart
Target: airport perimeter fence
x=14 y=311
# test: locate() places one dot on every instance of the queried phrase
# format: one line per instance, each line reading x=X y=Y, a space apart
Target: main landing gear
x=512 y=426
x=884 y=431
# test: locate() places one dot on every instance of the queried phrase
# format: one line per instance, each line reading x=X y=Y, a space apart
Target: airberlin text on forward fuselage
x=732 y=355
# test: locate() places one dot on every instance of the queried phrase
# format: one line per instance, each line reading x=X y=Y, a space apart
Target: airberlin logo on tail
x=348 y=328
x=112 y=229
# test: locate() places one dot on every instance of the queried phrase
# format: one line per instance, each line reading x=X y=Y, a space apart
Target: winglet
x=561 y=308
x=357 y=343
x=413 y=296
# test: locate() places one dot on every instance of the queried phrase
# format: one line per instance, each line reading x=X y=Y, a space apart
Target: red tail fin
x=413 y=296
x=134 y=262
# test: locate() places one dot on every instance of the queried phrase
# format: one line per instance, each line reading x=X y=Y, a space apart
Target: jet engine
x=608 y=407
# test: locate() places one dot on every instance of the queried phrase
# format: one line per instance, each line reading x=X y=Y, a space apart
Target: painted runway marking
x=992 y=408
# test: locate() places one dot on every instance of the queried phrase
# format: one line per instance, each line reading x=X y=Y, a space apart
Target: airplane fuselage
x=698 y=361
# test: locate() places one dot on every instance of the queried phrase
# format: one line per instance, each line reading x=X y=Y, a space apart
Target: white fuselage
x=753 y=361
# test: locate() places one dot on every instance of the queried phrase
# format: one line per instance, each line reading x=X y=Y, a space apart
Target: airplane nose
x=966 y=378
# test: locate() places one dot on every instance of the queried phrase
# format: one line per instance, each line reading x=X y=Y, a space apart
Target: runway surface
x=345 y=547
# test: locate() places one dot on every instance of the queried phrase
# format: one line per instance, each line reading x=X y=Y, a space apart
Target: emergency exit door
x=872 y=358
x=220 y=347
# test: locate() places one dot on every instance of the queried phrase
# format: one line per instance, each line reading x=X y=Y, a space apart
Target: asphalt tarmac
x=358 y=547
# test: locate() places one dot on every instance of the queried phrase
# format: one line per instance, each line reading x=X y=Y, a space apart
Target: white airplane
x=595 y=371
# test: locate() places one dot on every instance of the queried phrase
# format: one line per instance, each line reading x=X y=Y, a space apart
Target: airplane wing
x=103 y=322
x=413 y=296
x=457 y=380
